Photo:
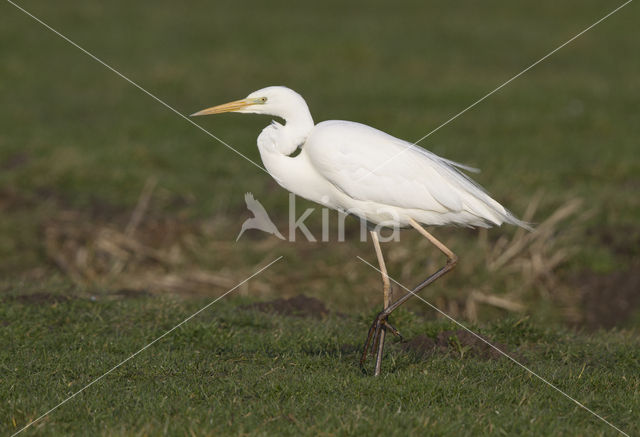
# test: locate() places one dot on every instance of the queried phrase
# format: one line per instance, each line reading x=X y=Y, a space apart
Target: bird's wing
x=370 y=165
x=255 y=206
x=248 y=199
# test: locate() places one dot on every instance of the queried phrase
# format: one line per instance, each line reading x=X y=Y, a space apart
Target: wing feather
x=372 y=166
x=368 y=164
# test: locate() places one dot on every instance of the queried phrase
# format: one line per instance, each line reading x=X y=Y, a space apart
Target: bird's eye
x=263 y=100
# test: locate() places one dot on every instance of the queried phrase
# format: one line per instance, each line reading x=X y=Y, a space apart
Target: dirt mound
x=458 y=342
x=609 y=300
x=297 y=306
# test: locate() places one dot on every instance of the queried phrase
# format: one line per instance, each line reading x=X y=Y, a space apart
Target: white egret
x=360 y=170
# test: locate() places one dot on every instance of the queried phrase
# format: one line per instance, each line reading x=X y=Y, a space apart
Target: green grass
x=78 y=143
x=233 y=371
x=73 y=135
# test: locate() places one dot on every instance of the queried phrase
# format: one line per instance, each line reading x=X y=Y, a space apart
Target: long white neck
x=278 y=141
x=298 y=126
x=285 y=139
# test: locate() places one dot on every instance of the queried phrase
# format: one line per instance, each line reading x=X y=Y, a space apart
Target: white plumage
x=386 y=174
x=363 y=171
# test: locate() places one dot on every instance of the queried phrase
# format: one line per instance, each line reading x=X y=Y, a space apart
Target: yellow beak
x=227 y=107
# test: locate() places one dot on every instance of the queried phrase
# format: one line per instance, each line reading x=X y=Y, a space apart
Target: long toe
x=393 y=330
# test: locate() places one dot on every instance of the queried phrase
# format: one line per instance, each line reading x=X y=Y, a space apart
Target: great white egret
x=360 y=170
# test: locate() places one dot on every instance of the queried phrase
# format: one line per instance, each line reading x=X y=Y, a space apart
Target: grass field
x=83 y=285
x=241 y=371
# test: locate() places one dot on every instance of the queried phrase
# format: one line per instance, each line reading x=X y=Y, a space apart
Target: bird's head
x=279 y=101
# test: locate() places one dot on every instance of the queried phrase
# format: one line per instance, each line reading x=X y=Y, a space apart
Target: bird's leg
x=373 y=337
x=451 y=257
x=386 y=291
x=452 y=260
x=376 y=335
x=380 y=322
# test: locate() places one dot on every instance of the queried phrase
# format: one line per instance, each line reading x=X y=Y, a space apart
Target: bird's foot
x=392 y=329
x=374 y=337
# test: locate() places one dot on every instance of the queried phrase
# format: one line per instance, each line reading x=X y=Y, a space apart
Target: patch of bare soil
x=297 y=306
x=608 y=300
x=458 y=342
x=622 y=240
x=17 y=160
x=40 y=298
x=131 y=294
x=10 y=200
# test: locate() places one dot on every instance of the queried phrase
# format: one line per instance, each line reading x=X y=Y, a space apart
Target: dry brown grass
x=514 y=270
x=153 y=259
x=161 y=255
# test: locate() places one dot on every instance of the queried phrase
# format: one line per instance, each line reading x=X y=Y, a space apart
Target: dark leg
x=378 y=342
x=380 y=324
